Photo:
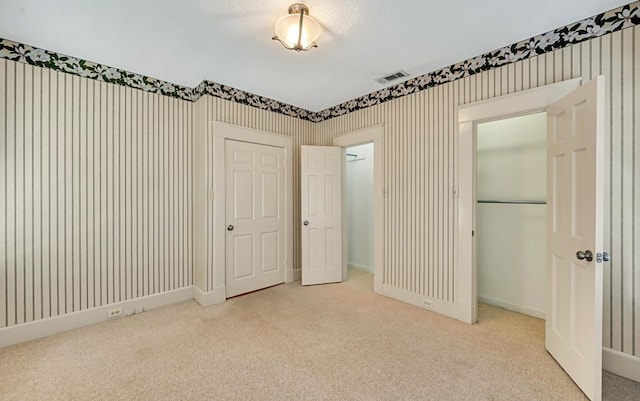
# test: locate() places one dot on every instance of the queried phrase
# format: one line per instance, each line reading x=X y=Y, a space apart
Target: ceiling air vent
x=392 y=77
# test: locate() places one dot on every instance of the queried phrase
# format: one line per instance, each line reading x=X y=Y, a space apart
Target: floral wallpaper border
x=239 y=96
x=599 y=25
x=47 y=59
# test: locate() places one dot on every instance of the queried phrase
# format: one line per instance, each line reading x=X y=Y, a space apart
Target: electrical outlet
x=427 y=303
x=114 y=313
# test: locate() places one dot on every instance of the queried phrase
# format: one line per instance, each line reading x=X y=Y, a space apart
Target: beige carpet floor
x=328 y=342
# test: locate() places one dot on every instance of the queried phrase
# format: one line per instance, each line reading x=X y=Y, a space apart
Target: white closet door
x=575 y=157
x=321 y=214
x=255 y=224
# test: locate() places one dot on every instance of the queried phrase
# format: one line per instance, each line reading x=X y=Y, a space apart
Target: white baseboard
x=616 y=362
x=290 y=276
x=621 y=364
x=297 y=274
x=58 y=324
x=368 y=269
x=209 y=298
x=434 y=305
x=515 y=308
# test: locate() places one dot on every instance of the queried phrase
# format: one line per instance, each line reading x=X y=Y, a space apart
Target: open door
x=574 y=235
x=321 y=214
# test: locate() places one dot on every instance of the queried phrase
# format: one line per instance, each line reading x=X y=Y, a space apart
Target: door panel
x=575 y=182
x=243 y=194
x=270 y=256
x=269 y=199
x=242 y=260
x=254 y=216
x=331 y=249
x=322 y=209
x=329 y=199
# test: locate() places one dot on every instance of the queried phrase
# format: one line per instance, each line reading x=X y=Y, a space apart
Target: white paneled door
x=574 y=235
x=321 y=214
x=255 y=223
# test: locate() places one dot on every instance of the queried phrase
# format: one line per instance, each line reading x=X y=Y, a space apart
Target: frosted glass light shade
x=289 y=33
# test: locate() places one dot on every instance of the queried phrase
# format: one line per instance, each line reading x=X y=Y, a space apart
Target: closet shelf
x=515 y=202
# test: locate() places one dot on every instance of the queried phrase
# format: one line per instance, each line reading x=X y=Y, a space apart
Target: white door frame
x=469 y=116
x=367 y=135
x=221 y=132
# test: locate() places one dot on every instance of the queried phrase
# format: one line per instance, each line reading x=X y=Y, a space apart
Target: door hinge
x=602 y=257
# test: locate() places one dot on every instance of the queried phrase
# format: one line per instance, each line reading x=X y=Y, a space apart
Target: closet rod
x=515 y=202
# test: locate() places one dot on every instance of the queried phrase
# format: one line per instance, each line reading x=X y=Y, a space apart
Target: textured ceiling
x=229 y=41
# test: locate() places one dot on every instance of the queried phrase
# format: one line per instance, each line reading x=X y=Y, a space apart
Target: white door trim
x=371 y=134
x=221 y=132
x=468 y=117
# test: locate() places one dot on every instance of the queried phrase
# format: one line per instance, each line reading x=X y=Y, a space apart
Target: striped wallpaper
x=97 y=190
x=95 y=184
x=420 y=168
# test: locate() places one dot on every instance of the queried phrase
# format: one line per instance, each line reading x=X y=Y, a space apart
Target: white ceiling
x=229 y=41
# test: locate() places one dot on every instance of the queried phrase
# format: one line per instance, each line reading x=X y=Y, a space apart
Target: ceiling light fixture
x=297 y=31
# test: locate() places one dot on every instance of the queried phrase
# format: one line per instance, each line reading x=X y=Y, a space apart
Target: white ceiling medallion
x=297 y=31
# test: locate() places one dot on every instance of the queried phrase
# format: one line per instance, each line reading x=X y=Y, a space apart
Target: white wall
x=512 y=158
x=510 y=257
x=510 y=239
x=359 y=203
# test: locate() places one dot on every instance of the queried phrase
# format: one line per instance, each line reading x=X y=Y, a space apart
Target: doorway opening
x=574 y=153
x=523 y=103
x=510 y=213
x=374 y=137
x=358 y=213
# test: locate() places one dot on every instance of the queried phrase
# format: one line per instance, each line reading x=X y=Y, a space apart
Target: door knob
x=306 y=222
x=229 y=227
x=586 y=255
